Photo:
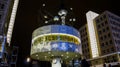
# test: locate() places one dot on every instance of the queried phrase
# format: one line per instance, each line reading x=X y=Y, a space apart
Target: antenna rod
x=62 y=13
x=62 y=6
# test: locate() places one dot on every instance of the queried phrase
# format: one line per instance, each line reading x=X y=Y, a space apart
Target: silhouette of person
x=84 y=63
x=104 y=65
x=109 y=65
x=118 y=64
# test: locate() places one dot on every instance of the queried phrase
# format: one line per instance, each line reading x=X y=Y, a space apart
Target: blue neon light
x=64 y=46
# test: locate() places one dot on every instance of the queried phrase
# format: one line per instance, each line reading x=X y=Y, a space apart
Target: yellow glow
x=45 y=16
x=77 y=40
x=93 y=40
x=12 y=19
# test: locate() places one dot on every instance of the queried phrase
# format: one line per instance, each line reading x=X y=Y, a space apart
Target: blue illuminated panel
x=56 y=29
x=56 y=46
x=64 y=46
x=64 y=29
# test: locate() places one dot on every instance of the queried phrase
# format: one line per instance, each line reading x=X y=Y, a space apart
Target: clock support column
x=56 y=62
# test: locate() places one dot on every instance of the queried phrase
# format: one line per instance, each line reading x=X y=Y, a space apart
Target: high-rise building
x=8 y=10
x=100 y=38
x=85 y=43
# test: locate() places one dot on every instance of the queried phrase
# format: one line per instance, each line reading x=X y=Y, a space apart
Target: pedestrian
x=109 y=65
x=85 y=63
x=104 y=65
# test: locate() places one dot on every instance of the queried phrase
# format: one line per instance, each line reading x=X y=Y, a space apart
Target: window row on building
x=84 y=35
x=83 y=30
x=85 y=45
x=116 y=35
x=115 y=23
x=2 y=6
x=86 y=50
x=110 y=59
x=84 y=40
x=108 y=50
x=102 y=24
x=103 y=30
x=106 y=43
x=106 y=59
x=100 y=19
x=86 y=54
x=115 y=29
x=117 y=41
x=104 y=37
x=114 y=18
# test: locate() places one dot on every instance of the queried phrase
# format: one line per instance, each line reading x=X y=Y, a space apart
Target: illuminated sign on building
x=12 y=20
x=91 y=29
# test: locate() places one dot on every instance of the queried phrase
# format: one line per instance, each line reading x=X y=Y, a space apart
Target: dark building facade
x=8 y=9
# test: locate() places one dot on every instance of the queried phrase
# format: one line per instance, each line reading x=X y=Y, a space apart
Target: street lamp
x=28 y=59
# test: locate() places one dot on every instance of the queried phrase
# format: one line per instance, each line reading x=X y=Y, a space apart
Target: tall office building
x=8 y=10
x=85 y=43
x=100 y=38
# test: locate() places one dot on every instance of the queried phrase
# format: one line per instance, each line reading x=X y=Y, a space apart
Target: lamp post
x=28 y=59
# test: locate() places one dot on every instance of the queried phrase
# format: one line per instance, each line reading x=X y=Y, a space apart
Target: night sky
x=27 y=18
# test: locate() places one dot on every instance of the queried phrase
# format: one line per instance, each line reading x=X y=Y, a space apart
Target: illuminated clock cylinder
x=55 y=40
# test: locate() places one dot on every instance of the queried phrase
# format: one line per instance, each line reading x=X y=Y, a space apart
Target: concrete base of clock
x=56 y=62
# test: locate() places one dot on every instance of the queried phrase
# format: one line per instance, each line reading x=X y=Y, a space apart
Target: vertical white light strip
x=12 y=20
x=93 y=40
